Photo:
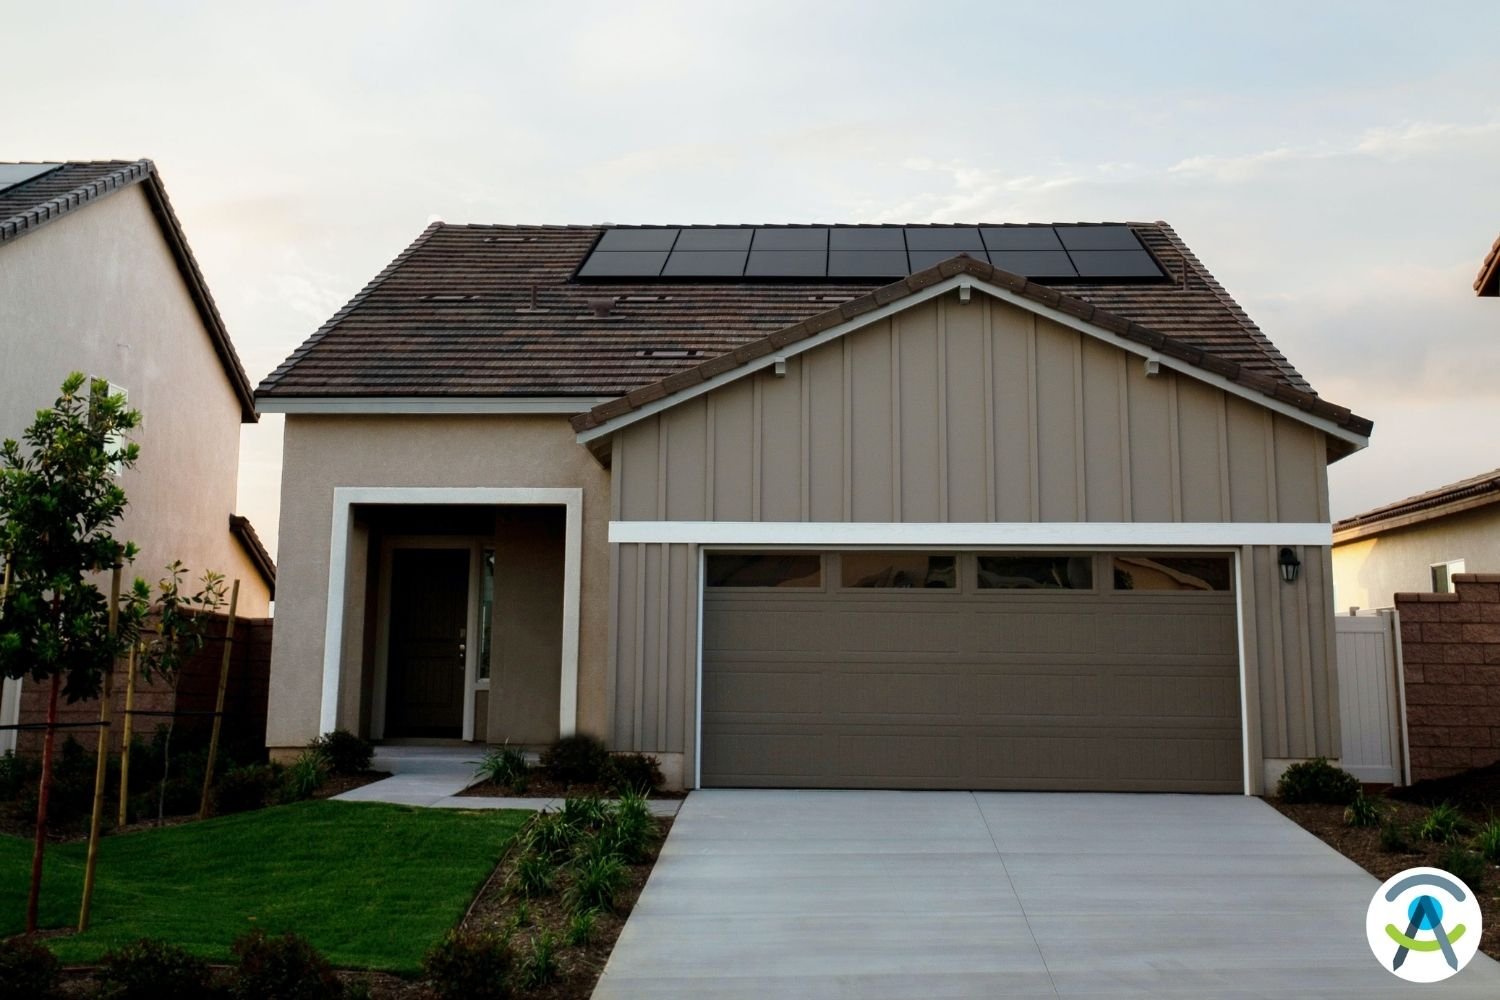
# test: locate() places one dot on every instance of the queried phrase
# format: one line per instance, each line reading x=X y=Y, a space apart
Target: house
x=1020 y=506
x=1487 y=284
x=96 y=276
x=1417 y=544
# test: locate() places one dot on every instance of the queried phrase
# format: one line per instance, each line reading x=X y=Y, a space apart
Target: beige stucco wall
x=321 y=453
x=971 y=413
x=1367 y=572
x=98 y=291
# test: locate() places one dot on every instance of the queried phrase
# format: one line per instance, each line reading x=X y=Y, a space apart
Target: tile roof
x=1465 y=494
x=1488 y=281
x=492 y=311
x=30 y=205
x=1180 y=347
x=244 y=533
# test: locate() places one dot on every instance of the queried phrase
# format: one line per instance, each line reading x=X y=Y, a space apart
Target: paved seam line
x=1010 y=882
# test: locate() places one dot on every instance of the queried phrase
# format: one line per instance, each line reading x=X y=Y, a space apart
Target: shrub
x=581 y=928
x=1467 y=866
x=1487 y=841
x=584 y=814
x=634 y=772
x=17 y=775
x=346 y=753
x=550 y=835
x=281 y=968
x=304 y=776
x=532 y=876
x=242 y=789
x=597 y=879
x=576 y=760
x=505 y=766
x=1393 y=839
x=521 y=915
x=27 y=969
x=540 y=967
x=629 y=829
x=1362 y=812
x=1442 y=825
x=470 y=966
x=150 y=969
x=1317 y=781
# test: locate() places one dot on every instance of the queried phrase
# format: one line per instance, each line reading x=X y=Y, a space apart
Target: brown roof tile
x=1488 y=282
x=1466 y=493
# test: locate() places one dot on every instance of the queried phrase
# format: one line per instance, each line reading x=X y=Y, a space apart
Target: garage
x=1109 y=671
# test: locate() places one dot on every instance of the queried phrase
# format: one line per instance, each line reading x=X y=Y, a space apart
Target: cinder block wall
x=1451 y=650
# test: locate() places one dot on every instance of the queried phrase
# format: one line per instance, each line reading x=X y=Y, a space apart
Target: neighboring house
x=1487 y=284
x=812 y=506
x=1417 y=544
x=96 y=276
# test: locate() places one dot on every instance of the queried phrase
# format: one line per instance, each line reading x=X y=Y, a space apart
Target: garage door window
x=765 y=569
x=1036 y=572
x=1175 y=573
x=898 y=569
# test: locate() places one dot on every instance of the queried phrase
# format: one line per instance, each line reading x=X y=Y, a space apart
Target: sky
x=1336 y=165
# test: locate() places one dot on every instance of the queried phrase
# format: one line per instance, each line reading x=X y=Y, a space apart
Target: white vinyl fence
x=1372 y=706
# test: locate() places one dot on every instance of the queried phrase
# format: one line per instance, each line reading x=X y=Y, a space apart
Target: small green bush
x=521 y=915
x=27 y=969
x=1467 y=866
x=540 y=967
x=304 y=776
x=1393 y=838
x=533 y=875
x=584 y=814
x=634 y=772
x=1442 y=825
x=150 y=970
x=576 y=760
x=550 y=835
x=581 y=928
x=597 y=879
x=1363 y=812
x=1317 y=781
x=17 y=775
x=346 y=753
x=470 y=966
x=1487 y=841
x=506 y=767
x=281 y=968
x=629 y=829
x=242 y=789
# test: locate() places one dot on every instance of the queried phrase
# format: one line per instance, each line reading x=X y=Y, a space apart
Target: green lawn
x=370 y=885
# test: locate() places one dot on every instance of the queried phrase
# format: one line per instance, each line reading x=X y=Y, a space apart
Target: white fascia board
x=1359 y=441
x=560 y=405
x=1030 y=534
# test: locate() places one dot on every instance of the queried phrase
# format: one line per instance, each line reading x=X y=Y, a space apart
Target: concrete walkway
x=435 y=775
x=948 y=895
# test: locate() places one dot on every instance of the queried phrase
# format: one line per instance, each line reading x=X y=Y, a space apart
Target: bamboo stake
x=101 y=759
x=125 y=739
x=213 y=741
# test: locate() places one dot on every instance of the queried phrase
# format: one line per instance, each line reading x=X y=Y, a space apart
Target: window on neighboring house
x=1442 y=575
x=116 y=440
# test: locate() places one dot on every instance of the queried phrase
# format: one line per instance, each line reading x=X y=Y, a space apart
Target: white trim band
x=544 y=405
x=972 y=534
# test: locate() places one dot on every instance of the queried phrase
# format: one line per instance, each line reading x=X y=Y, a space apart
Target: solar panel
x=705 y=264
x=868 y=254
x=953 y=238
x=12 y=174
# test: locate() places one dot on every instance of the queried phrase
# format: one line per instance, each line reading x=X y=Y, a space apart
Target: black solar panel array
x=856 y=253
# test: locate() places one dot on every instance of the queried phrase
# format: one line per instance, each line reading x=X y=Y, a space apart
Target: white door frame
x=344 y=500
x=1240 y=583
x=474 y=545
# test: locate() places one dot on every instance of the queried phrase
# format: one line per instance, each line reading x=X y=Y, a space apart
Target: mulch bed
x=542 y=787
x=1362 y=846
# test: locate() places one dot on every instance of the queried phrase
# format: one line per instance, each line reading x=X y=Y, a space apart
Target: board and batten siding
x=977 y=412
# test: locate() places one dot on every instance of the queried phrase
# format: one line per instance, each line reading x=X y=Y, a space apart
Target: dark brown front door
x=425 y=665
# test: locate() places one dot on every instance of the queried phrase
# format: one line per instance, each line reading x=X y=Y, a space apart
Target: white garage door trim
x=1239 y=618
x=1220 y=535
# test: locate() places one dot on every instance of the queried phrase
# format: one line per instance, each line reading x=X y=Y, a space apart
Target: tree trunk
x=33 y=901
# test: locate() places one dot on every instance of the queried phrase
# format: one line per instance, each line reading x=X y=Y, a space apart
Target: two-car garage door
x=971 y=670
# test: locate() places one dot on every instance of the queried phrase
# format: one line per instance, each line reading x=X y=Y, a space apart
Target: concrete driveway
x=944 y=895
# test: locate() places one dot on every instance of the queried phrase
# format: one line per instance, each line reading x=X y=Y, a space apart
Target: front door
x=425 y=666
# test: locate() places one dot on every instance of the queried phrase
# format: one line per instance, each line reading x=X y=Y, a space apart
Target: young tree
x=59 y=500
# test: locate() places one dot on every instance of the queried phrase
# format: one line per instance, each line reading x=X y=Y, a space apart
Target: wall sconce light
x=1290 y=565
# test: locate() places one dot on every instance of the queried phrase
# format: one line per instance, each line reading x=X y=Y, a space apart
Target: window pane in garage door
x=1155 y=572
x=765 y=569
x=1025 y=571
x=898 y=569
